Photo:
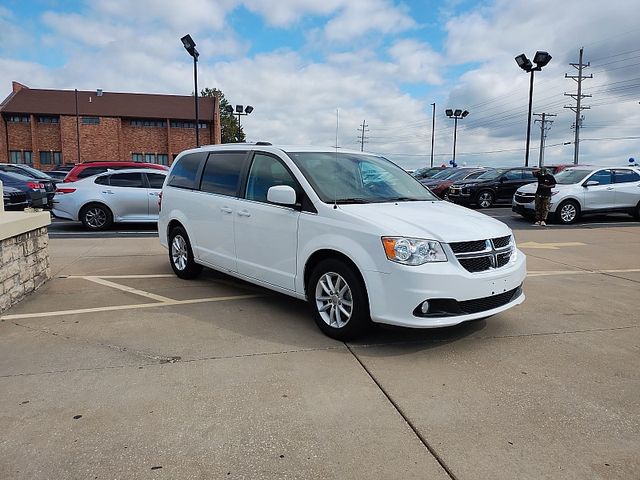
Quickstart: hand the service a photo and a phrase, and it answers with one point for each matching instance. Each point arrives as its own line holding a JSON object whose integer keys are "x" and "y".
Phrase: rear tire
{"x": 96, "y": 217}
{"x": 568, "y": 212}
{"x": 181, "y": 255}
{"x": 485, "y": 199}
{"x": 338, "y": 299}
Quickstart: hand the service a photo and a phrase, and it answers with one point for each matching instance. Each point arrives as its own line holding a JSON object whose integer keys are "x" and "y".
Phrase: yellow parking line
{"x": 127, "y": 307}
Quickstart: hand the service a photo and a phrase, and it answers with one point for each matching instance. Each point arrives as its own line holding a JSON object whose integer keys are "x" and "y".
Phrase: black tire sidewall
{"x": 360, "y": 320}
{"x": 104, "y": 208}
{"x": 192, "y": 270}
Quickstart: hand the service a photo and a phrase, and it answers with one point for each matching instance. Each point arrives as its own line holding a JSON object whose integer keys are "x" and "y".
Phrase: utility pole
{"x": 363, "y": 126}
{"x": 578, "y": 97}
{"x": 545, "y": 126}
{"x": 433, "y": 130}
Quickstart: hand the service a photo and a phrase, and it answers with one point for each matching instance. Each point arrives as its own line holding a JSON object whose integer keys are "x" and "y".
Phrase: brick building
{"x": 40, "y": 127}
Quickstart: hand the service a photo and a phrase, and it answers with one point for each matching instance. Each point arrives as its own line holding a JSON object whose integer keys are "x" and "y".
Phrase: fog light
{"x": 424, "y": 308}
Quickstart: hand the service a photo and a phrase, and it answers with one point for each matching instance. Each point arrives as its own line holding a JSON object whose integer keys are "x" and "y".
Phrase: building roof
{"x": 131, "y": 105}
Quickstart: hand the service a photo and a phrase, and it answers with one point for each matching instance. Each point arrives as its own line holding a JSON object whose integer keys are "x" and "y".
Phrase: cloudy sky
{"x": 380, "y": 61}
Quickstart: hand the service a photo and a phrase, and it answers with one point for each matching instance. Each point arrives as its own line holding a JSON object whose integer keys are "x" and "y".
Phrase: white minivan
{"x": 352, "y": 233}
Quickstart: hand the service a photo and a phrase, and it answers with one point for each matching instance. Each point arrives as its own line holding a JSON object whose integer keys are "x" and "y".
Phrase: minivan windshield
{"x": 357, "y": 178}
{"x": 569, "y": 176}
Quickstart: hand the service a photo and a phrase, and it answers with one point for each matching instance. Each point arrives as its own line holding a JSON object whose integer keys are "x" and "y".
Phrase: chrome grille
{"x": 482, "y": 255}
{"x": 525, "y": 197}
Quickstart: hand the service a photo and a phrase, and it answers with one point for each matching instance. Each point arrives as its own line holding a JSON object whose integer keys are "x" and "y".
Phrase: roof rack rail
{"x": 263, "y": 143}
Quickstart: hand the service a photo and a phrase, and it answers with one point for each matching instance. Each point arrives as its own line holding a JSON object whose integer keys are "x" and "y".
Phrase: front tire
{"x": 338, "y": 299}
{"x": 568, "y": 212}
{"x": 96, "y": 217}
{"x": 485, "y": 199}
{"x": 181, "y": 255}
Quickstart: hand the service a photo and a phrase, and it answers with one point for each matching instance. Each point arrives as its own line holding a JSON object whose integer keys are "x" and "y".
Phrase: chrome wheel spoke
{"x": 333, "y": 300}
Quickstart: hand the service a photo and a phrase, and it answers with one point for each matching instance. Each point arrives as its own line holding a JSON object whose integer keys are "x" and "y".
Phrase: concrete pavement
{"x": 217, "y": 378}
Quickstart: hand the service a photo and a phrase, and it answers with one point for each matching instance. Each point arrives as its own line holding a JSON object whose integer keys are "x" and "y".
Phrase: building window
{"x": 20, "y": 156}
{"x": 136, "y": 157}
{"x": 48, "y": 119}
{"x": 147, "y": 123}
{"x": 18, "y": 118}
{"x": 48, "y": 158}
{"x": 183, "y": 124}
{"x": 90, "y": 120}
{"x": 150, "y": 157}
{"x": 163, "y": 159}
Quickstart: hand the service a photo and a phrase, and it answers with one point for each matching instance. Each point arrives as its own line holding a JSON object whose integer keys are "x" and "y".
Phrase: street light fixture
{"x": 190, "y": 46}
{"x": 458, "y": 114}
{"x": 540, "y": 59}
{"x": 238, "y": 110}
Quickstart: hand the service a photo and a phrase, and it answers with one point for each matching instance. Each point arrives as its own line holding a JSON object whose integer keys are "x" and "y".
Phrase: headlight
{"x": 413, "y": 251}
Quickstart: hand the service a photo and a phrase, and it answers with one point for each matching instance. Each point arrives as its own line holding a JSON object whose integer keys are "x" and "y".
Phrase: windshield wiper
{"x": 404, "y": 199}
{"x": 353, "y": 200}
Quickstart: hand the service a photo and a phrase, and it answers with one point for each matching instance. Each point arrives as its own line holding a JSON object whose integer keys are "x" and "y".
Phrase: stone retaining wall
{"x": 24, "y": 265}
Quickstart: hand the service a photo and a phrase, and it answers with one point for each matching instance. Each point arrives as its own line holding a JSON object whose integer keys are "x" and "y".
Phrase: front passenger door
{"x": 600, "y": 196}
{"x": 508, "y": 186}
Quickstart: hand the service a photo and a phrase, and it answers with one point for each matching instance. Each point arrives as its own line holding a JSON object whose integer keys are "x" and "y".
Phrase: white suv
{"x": 352, "y": 233}
{"x": 585, "y": 190}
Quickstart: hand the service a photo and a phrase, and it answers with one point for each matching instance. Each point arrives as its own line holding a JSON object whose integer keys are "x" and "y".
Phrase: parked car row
{"x": 586, "y": 190}
{"x": 36, "y": 184}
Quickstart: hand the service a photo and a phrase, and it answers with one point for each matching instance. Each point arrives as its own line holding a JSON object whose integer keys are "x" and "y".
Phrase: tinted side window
{"x": 266, "y": 171}
{"x": 513, "y": 175}
{"x": 185, "y": 170}
{"x": 222, "y": 172}
{"x": 602, "y": 176}
{"x": 127, "y": 180}
{"x": 87, "y": 172}
{"x": 104, "y": 180}
{"x": 625, "y": 176}
{"x": 155, "y": 180}
{"x": 528, "y": 175}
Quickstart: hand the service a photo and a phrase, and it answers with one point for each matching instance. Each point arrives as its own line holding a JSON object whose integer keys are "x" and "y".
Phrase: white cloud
{"x": 417, "y": 62}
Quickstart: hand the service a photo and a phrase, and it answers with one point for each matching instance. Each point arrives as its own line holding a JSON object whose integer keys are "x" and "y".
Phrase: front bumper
{"x": 394, "y": 297}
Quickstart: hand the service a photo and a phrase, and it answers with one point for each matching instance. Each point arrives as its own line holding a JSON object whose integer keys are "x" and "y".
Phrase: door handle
{"x": 226, "y": 210}
{"x": 609, "y": 188}
{"x": 244, "y": 213}
{"x": 153, "y": 194}
{"x": 107, "y": 191}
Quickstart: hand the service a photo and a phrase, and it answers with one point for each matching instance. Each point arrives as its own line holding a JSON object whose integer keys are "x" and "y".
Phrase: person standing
{"x": 543, "y": 194}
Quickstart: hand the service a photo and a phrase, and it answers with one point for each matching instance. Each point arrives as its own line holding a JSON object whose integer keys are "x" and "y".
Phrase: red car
{"x": 88, "y": 169}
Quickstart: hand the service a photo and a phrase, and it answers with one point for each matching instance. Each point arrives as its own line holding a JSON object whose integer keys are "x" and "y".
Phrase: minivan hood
{"x": 439, "y": 220}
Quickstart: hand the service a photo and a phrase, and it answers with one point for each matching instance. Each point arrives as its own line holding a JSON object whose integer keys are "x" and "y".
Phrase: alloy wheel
{"x": 568, "y": 213}
{"x": 96, "y": 217}
{"x": 179, "y": 254}
{"x": 485, "y": 199}
{"x": 333, "y": 300}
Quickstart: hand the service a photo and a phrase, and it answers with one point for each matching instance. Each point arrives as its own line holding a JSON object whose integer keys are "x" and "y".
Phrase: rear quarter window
{"x": 185, "y": 171}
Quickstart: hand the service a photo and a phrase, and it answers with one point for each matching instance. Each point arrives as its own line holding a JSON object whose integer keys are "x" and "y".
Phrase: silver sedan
{"x": 130, "y": 195}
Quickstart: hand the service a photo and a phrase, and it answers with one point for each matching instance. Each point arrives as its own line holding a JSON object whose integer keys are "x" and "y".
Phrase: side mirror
{"x": 281, "y": 195}
{"x": 591, "y": 183}
{"x": 502, "y": 179}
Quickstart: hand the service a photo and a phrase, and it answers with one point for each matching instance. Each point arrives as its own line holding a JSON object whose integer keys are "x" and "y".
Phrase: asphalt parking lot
{"x": 117, "y": 369}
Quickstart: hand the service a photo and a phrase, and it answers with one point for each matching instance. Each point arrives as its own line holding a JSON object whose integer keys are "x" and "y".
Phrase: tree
{"x": 228, "y": 121}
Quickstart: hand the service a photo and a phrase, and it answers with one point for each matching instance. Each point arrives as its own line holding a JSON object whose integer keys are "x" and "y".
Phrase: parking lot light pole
{"x": 458, "y": 114}
{"x": 239, "y": 110}
{"x": 190, "y": 46}
{"x": 540, "y": 59}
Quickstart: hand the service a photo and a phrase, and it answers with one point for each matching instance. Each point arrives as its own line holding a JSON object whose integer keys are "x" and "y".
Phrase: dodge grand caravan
{"x": 352, "y": 233}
